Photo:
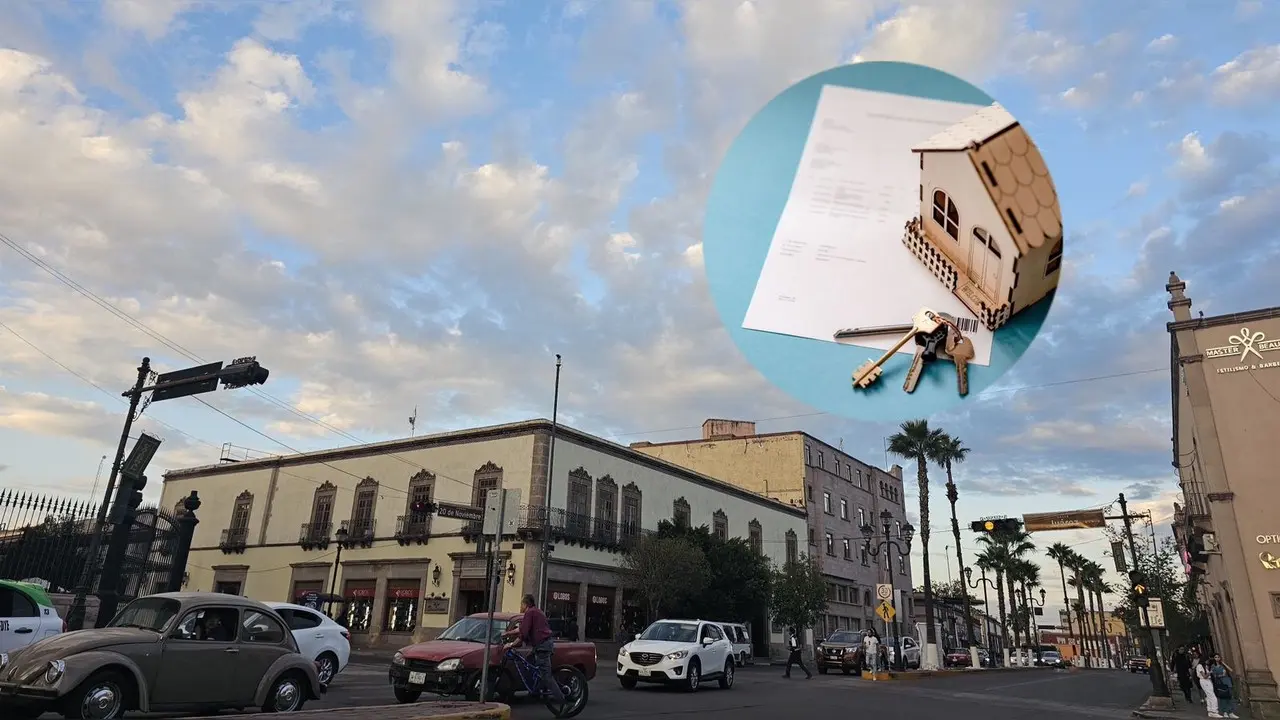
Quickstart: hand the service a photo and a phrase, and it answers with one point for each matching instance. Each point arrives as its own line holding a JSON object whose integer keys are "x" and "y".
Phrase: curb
{"x": 925, "y": 674}
{"x": 416, "y": 711}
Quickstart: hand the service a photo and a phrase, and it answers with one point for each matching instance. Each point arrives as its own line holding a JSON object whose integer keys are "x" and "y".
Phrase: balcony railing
{"x": 315, "y": 536}
{"x": 234, "y": 540}
{"x": 578, "y": 528}
{"x": 413, "y": 529}
{"x": 359, "y": 532}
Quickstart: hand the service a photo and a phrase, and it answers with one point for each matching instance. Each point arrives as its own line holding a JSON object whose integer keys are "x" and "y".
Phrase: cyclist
{"x": 535, "y": 633}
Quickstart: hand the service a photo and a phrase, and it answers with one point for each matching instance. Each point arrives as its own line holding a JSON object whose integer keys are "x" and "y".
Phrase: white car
{"x": 677, "y": 652}
{"x": 27, "y": 614}
{"x": 318, "y": 637}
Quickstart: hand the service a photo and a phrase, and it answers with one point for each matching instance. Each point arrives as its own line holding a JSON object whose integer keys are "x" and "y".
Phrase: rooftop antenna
{"x": 413, "y": 421}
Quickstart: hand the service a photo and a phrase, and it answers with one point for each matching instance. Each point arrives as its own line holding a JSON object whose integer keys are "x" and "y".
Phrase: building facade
{"x": 1226, "y": 420}
{"x": 953, "y": 627}
{"x": 838, "y": 492}
{"x": 269, "y": 528}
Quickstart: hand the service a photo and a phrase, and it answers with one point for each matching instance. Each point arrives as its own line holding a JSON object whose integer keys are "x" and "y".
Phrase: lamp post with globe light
{"x": 984, "y": 582}
{"x": 906, "y": 533}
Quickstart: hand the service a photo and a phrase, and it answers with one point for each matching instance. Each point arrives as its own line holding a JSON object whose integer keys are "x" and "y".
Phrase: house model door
{"x": 984, "y": 263}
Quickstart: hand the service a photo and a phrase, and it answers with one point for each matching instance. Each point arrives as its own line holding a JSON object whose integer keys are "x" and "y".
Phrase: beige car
{"x": 169, "y": 653}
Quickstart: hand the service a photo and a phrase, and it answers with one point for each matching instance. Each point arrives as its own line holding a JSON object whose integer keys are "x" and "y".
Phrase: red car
{"x": 451, "y": 664}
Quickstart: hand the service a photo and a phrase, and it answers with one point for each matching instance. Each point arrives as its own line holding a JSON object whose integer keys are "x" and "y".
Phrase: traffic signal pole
{"x": 1159, "y": 686}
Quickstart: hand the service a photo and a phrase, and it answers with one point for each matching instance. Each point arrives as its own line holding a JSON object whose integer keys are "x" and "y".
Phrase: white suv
{"x": 677, "y": 652}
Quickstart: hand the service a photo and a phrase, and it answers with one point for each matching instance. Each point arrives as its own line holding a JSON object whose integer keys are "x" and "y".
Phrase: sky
{"x": 397, "y": 204}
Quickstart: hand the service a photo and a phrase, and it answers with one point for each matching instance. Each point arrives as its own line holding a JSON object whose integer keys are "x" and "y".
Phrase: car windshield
{"x": 149, "y": 613}
{"x": 473, "y": 630}
{"x": 844, "y": 637}
{"x": 671, "y": 632}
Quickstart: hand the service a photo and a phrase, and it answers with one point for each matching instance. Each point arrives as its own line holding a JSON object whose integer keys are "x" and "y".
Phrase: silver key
{"x": 846, "y": 333}
{"x": 926, "y": 353}
{"x": 924, "y": 322}
{"x": 960, "y": 349}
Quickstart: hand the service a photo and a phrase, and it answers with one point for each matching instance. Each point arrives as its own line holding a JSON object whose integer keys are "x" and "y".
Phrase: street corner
{"x": 438, "y": 710}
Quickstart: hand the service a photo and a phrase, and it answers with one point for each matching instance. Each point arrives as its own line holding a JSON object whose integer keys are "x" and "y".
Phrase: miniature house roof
{"x": 977, "y": 128}
{"x": 1011, "y": 169}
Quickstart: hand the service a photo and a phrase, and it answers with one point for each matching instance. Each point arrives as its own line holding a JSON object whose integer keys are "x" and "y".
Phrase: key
{"x": 926, "y": 353}
{"x": 924, "y": 322}
{"x": 847, "y": 333}
{"x": 960, "y": 349}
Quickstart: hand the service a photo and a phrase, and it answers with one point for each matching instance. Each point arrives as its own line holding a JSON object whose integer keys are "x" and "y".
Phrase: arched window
{"x": 945, "y": 214}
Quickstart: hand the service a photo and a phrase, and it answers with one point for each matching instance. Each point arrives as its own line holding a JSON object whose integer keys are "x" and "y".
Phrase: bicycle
{"x": 572, "y": 681}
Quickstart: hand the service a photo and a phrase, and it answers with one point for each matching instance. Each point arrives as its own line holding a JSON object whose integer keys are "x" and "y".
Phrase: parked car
{"x": 1139, "y": 665}
{"x": 841, "y": 650}
{"x": 910, "y": 652}
{"x": 318, "y": 637}
{"x": 452, "y": 663}
{"x": 678, "y": 652}
{"x": 27, "y": 614}
{"x": 169, "y": 653}
{"x": 740, "y": 635}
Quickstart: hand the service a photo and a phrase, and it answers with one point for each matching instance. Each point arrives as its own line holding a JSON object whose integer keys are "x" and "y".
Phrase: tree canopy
{"x": 799, "y": 594}
{"x": 1162, "y": 572}
{"x": 667, "y": 572}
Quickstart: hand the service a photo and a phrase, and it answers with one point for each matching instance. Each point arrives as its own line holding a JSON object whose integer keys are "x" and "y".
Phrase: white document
{"x": 837, "y": 259}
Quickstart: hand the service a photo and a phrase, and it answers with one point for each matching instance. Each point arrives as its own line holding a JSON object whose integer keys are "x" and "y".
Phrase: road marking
{"x": 1028, "y": 682}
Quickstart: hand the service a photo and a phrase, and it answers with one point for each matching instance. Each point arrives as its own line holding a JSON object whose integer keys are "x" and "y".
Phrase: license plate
{"x": 417, "y": 678}
{"x": 644, "y": 673}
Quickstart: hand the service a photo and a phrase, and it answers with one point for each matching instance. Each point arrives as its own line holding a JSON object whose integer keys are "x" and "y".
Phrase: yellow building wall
{"x": 772, "y": 465}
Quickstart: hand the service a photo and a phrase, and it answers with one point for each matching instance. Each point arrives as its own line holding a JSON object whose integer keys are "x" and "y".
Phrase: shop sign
{"x": 599, "y": 600}
{"x": 1248, "y": 345}
{"x": 360, "y": 592}
{"x": 564, "y": 596}
{"x": 403, "y": 593}
{"x": 435, "y": 606}
{"x": 1268, "y": 539}
{"x": 1269, "y": 561}
{"x": 311, "y": 599}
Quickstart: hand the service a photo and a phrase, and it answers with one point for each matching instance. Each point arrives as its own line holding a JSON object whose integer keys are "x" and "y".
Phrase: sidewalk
{"x": 439, "y": 710}
{"x": 1183, "y": 711}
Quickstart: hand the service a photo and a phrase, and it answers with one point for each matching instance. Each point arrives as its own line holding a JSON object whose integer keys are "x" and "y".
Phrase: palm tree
{"x": 992, "y": 559}
{"x": 1061, "y": 552}
{"x": 1017, "y": 545}
{"x": 917, "y": 441}
{"x": 1077, "y": 563}
{"x": 1028, "y": 574}
{"x": 951, "y": 451}
{"x": 1094, "y": 583}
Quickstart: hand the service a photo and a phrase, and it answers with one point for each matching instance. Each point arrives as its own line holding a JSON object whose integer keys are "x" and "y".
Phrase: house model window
{"x": 989, "y": 226}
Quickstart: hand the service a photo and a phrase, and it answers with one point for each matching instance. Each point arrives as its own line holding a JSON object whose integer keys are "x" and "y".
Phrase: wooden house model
{"x": 990, "y": 227}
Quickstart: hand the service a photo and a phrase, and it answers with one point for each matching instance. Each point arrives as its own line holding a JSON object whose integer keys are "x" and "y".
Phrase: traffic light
{"x": 419, "y": 509}
{"x": 243, "y": 372}
{"x": 998, "y": 525}
{"x": 1141, "y": 593}
{"x": 128, "y": 499}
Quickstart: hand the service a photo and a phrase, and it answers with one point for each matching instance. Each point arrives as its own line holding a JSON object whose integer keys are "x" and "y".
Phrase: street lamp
{"x": 905, "y": 533}
{"x": 341, "y": 537}
{"x": 1030, "y": 604}
{"x": 511, "y": 573}
{"x": 435, "y": 575}
{"x": 984, "y": 582}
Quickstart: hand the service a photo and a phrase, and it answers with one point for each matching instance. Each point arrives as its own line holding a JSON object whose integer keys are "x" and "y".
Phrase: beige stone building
{"x": 838, "y": 492}
{"x": 268, "y": 528}
{"x": 1226, "y": 450}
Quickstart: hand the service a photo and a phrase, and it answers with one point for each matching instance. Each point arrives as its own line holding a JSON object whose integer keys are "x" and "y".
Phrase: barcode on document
{"x": 967, "y": 325}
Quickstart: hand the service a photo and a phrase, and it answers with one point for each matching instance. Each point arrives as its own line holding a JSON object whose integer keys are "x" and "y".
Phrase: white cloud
{"x": 1252, "y": 77}
{"x": 152, "y": 18}
{"x": 1163, "y": 43}
{"x": 1191, "y": 156}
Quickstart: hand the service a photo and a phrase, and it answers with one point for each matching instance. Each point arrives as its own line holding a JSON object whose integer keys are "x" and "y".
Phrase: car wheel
{"x": 822, "y": 669}
{"x": 327, "y": 667}
{"x": 693, "y": 676}
{"x": 287, "y": 694}
{"x": 726, "y": 680}
{"x": 104, "y": 696}
{"x": 406, "y": 696}
{"x": 628, "y": 683}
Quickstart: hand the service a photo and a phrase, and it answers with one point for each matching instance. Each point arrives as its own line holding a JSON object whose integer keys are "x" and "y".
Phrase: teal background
{"x": 746, "y": 201}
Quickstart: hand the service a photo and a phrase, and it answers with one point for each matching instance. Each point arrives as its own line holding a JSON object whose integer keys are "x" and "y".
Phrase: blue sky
{"x": 422, "y": 208}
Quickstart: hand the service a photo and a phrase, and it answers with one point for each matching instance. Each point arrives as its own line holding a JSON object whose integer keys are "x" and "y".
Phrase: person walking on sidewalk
{"x": 1181, "y": 666}
{"x": 1205, "y": 678}
{"x": 793, "y": 656}
{"x": 1223, "y": 687}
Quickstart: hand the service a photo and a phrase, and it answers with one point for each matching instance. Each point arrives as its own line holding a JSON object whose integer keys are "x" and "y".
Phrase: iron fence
{"x": 579, "y": 528}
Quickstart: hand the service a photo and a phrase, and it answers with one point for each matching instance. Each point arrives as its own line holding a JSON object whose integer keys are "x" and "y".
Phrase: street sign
{"x": 510, "y": 513}
{"x": 168, "y": 393}
{"x": 469, "y": 513}
{"x": 1070, "y": 520}
{"x": 140, "y": 456}
{"x": 885, "y": 612}
{"x": 883, "y": 591}
{"x": 1155, "y": 614}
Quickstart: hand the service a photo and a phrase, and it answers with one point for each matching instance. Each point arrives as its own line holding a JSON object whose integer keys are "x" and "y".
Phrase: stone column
{"x": 582, "y": 610}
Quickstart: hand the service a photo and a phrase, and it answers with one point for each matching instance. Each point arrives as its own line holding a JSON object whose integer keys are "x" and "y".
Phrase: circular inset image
{"x": 883, "y": 240}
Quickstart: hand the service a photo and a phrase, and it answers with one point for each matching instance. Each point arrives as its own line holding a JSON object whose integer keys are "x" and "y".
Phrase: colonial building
{"x": 1226, "y": 420}
{"x": 270, "y": 528}
{"x": 839, "y": 493}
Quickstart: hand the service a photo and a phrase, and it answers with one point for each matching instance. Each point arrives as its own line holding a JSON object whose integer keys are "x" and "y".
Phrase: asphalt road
{"x": 762, "y": 692}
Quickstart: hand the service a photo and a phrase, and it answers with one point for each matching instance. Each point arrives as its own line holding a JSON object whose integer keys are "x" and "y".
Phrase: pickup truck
{"x": 451, "y": 664}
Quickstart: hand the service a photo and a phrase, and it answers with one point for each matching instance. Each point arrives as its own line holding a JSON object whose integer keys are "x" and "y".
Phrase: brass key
{"x": 960, "y": 349}
{"x": 925, "y": 354}
{"x": 924, "y": 322}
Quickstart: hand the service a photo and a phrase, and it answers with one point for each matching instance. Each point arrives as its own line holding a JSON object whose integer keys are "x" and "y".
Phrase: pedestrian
{"x": 535, "y": 632}
{"x": 793, "y": 656}
{"x": 1181, "y": 666}
{"x": 1223, "y": 687}
{"x": 871, "y": 650}
{"x": 1205, "y": 679}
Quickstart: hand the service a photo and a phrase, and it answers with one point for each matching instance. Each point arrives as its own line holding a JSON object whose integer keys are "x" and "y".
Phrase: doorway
{"x": 471, "y": 597}
{"x": 227, "y": 587}
{"x": 760, "y": 637}
{"x": 984, "y": 262}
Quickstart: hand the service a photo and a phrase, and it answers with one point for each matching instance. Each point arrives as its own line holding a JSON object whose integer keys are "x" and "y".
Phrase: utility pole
{"x": 75, "y": 616}
{"x": 1159, "y": 688}
{"x": 545, "y": 552}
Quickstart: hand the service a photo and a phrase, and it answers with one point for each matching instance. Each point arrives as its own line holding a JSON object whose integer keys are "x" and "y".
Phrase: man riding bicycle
{"x": 535, "y": 632}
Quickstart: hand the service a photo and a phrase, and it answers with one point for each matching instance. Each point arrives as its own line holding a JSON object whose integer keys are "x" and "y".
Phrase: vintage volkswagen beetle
{"x": 171, "y": 653}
